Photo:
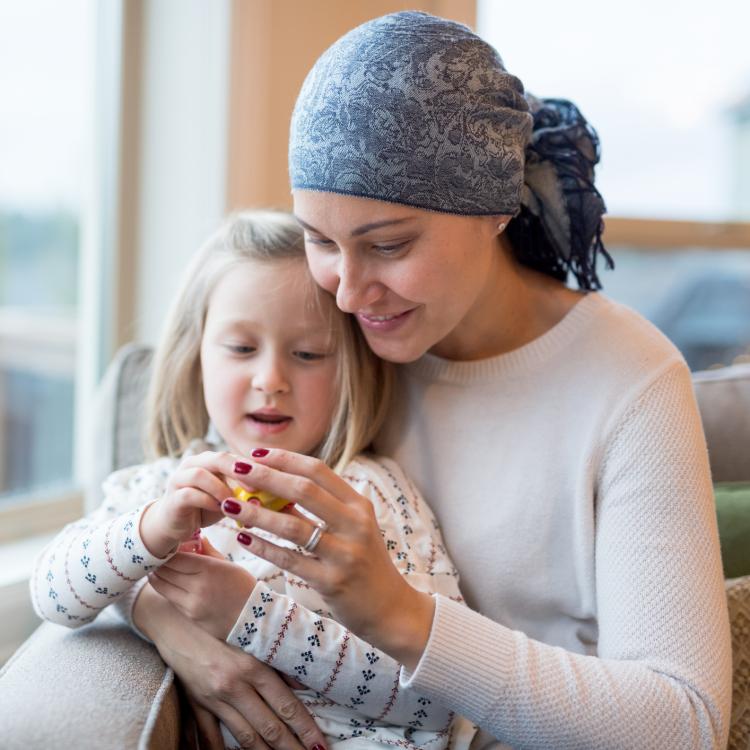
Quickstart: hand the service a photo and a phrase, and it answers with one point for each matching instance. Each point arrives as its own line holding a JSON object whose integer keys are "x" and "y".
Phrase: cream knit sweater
{"x": 571, "y": 483}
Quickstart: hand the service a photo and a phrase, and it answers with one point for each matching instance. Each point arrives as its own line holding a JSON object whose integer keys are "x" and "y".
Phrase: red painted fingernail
{"x": 254, "y": 500}
{"x": 244, "y": 538}
{"x": 230, "y": 506}
{"x": 259, "y": 453}
{"x": 288, "y": 506}
{"x": 318, "y": 747}
{"x": 240, "y": 467}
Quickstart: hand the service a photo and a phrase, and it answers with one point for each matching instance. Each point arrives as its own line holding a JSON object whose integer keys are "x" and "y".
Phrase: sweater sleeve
{"x": 662, "y": 674}
{"x": 95, "y": 561}
{"x": 296, "y": 635}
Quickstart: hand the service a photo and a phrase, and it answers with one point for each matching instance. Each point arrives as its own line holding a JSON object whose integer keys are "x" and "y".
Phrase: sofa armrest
{"x": 98, "y": 686}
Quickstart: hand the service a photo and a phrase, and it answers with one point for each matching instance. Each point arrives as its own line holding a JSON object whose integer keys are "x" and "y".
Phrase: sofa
{"x": 124, "y": 696}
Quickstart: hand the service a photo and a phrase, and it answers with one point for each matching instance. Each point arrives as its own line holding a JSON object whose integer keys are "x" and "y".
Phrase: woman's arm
{"x": 662, "y": 676}
{"x": 252, "y": 700}
{"x": 296, "y": 633}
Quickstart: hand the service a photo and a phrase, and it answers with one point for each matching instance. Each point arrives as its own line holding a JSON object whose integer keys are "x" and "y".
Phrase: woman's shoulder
{"x": 622, "y": 344}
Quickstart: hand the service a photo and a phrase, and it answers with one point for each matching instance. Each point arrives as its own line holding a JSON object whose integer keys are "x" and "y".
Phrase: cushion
{"x": 724, "y": 400}
{"x": 99, "y": 686}
{"x": 733, "y": 515}
{"x": 738, "y": 599}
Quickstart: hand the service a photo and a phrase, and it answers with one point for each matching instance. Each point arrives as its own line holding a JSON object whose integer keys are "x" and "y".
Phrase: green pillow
{"x": 733, "y": 513}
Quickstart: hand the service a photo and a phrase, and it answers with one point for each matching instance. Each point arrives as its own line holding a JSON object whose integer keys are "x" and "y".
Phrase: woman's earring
{"x": 501, "y": 226}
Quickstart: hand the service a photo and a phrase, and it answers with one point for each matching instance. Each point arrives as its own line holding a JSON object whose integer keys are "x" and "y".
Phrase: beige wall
{"x": 274, "y": 44}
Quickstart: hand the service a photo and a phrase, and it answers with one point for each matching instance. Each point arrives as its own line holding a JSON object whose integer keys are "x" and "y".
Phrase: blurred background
{"x": 129, "y": 127}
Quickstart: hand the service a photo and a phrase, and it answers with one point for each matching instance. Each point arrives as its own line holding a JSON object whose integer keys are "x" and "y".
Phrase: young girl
{"x": 256, "y": 355}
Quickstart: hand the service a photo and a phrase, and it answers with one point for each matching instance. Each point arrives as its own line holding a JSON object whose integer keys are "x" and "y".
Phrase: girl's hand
{"x": 192, "y": 500}
{"x": 350, "y": 566}
{"x": 205, "y": 587}
{"x": 248, "y": 696}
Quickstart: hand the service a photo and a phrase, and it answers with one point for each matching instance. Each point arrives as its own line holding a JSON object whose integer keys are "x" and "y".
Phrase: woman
{"x": 553, "y": 432}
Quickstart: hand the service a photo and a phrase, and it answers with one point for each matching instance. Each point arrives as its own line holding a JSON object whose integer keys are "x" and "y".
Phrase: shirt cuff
{"x": 468, "y": 659}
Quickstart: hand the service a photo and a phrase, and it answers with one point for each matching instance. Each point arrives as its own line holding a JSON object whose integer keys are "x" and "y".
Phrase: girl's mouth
{"x": 268, "y": 423}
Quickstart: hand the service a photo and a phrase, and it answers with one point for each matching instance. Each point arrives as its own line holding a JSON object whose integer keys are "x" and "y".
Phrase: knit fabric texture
{"x": 571, "y": 482}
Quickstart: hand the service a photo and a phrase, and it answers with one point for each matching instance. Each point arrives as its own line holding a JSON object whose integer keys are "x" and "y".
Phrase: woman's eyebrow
{"x": 364, "y": 229}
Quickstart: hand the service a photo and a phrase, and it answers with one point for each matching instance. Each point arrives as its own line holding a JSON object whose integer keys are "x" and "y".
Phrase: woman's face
{"x": 416, "y": 280}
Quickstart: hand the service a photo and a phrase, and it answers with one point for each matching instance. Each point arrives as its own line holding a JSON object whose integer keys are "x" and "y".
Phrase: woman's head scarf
{"x": 415, "y": 109}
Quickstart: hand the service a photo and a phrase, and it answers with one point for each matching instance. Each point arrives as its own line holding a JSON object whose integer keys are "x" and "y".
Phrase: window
{"x": 47, "y": 52}
{"x": 668, "y": 90}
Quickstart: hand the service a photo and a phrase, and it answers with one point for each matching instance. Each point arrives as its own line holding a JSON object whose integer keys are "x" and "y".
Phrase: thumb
{"x": 208, "y": 549}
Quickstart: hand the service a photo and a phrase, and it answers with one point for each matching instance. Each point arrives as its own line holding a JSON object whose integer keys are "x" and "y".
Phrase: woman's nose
{"x": 355, "y": 291}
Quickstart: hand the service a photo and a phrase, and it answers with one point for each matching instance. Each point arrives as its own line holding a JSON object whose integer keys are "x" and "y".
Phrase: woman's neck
{"x": 516, "y": 306}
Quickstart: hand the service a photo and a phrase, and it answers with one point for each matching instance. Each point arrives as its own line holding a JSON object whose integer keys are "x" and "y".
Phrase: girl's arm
{"x": 94, "y": 561}
{"x": 295, "y": 632}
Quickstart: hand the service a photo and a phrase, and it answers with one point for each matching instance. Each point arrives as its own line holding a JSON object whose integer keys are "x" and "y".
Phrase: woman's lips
{"x": 383, "y": 323}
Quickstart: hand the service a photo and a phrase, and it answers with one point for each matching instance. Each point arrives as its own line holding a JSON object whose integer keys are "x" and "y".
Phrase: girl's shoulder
{"x": 379, "y": 478}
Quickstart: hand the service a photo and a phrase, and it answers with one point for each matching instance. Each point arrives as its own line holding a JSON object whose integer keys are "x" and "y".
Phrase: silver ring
{"x": 317, "y": 533}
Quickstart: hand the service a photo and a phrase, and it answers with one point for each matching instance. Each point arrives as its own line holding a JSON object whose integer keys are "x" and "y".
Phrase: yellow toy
{"x": 267, "y": 500}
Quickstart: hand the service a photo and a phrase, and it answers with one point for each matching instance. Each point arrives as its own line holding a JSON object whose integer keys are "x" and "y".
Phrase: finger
{"x": 173, "y": 577}
{"x": 306, "y": 493}
{"x": 285, "y": 704}
{"x": 185, "y": 562}
{"x": 207, "y": 728}
{"x": 201, "y": 478}
{"x": 209, "y": 550}
{"x": 266, "y": 731}
{"x": 295, "y": 528}
{"x": 301, "y": 465}
{"x": 306, "y": 567}
{"x": 169, "y": 591}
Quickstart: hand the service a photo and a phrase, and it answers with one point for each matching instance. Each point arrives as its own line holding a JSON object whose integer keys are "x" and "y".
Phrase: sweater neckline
{"x": 524, "y": 359}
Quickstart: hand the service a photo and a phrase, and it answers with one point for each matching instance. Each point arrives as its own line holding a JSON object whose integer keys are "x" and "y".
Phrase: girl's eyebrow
{"x": 364, "y": 229}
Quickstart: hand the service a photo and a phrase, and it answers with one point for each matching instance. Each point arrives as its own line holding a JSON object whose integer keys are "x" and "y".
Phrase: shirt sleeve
{"x": 95, "y": 561}
{"x": 294, "y": 632}
{"x": 662, "y": 675}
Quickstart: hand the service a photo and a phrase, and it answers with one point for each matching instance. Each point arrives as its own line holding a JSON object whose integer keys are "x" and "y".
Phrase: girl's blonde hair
{"x": 176, "y": 411}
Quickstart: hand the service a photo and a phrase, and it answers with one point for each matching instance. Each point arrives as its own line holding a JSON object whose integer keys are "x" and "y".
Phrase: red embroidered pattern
{"x": 339, "y": 663}
{"x": 281, "y": 634}
{"x": 108, "y": 555}
{"x": 70, "y": 583}
{"x": 300, "y": 584}
{"x": 394, "y": 693}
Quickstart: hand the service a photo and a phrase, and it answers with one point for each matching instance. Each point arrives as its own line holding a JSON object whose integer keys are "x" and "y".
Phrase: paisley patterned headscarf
{"x": 415, "y": 109}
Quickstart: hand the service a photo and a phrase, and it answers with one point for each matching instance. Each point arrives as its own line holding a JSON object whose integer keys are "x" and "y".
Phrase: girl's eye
{"x": 309, "y": 356}
{"x": 240, "y": 349}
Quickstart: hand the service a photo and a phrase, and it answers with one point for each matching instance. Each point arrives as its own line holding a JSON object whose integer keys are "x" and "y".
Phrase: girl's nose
{"x": 270, "y": 377}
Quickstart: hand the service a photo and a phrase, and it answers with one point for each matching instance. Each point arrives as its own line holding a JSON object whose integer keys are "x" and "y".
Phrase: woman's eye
{"x": 390, "y": 249}
{"x": 318, "y": 241}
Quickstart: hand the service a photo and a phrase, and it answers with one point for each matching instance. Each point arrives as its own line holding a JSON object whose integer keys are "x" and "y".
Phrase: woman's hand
{"x": 248, "y": 696}
{"x": 205, "y": 587}
{"x": 350, "y": 567}
{"x": 191, "y": 501}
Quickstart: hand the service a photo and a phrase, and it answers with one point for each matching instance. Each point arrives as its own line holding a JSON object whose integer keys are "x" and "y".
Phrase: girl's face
{"x": 416, "y": 280}
{"x": 268, "y": 358}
